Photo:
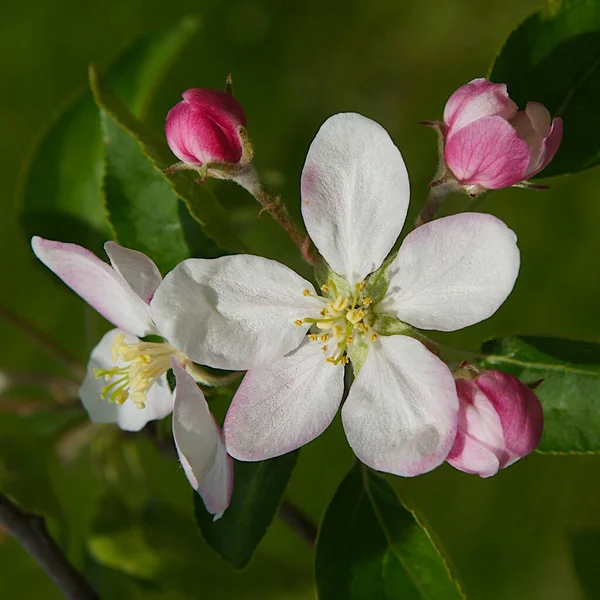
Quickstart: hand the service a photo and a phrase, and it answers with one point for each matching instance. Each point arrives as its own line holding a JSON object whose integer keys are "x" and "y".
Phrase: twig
{"x": 248, "y": 179}
{"x": 31, "y": 533}
{"x": 44, "y": 340}
{"x": 298, "y": 522}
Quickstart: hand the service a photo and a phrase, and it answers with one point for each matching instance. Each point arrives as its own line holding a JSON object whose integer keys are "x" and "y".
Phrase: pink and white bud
{"x": 500, "y": 420}
{"x": 206, "y": 127}
{"x": 489, "y": 143}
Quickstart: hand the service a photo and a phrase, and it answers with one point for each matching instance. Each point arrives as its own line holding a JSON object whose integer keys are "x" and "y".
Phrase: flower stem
{"x": 31, "y": 533}
{"x": 249, "y": 180}
{"x": 437, "y": 195}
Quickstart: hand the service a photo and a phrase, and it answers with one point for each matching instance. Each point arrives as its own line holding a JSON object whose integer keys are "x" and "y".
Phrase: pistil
{"x": 340, "y": 321}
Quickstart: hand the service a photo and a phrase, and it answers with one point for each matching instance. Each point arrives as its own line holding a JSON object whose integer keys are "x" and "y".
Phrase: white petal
{"x": 355, "y": 194}
{"x": 452, "y": 272}
{"x": 199, "y": 444}
{"x": 283, "y": 406}
{"x": 401, "y": 413}
{"x": 99, "y": 285}
{"x": 217, "y": 487}
{"x": 135, "y": 268}
{"x": 127, "y": 415}
{"x": 233, "y": 312}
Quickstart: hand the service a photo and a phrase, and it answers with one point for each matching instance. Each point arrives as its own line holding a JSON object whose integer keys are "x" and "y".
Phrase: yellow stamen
{"x": 298, "y": 322}
{"x": 144, "y": 363}
{"x": 373, "y": 337}
{"x": 306, "y": 292}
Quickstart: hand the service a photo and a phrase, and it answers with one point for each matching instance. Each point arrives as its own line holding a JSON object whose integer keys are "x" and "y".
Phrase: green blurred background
{"x": 124, "y": 512}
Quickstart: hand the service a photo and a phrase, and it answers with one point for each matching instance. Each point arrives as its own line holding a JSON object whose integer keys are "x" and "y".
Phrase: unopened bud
{"x": 206, "y": 128}
{"x": 489, "y": 144}
{"x": 500, "y": 421}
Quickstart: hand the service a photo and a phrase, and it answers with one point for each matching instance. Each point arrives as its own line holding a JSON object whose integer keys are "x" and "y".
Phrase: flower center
{"x": 341, "y": 321}
{"x": 144, "y": 363}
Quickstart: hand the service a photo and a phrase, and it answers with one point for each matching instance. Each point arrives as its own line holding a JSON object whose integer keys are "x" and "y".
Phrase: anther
{"x": 298, "y": 322}
{"x": 324, "y": 337}
{"x": 367, "y": 301}
{"x": 323, "y": 312}
{"x": 306, "y": 292}
{"x": 373, "y": 337}
{"x": 312, "y": 337}
{"x": 349, "y": 339}
{"x": 325, "y": 288}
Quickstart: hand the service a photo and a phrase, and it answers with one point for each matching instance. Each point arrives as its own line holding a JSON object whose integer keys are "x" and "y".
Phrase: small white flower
{"x": 126, "y": 379}
{"x": 247, "y": 312}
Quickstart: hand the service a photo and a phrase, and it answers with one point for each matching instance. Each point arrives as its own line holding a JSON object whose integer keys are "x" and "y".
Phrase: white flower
{"x": 126, "y": 379}
{"x": 246, "y": 312}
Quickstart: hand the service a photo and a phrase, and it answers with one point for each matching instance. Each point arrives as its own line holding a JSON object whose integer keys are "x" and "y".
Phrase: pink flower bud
{"x": 500, "y": 420}
{"x": 205, "y": 128}
{"x": 489, "y": 143}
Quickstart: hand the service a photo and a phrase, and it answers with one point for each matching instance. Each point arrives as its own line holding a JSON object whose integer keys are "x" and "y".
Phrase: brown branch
{"x": 298, "y": 522}
{"x": 30, "y": 532}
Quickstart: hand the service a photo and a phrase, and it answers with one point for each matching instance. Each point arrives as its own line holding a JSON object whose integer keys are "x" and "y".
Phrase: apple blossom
{"x": 500, "y": 420}
{"x": 249, "y": 312}
{"x": 207, "y": 128}
{"x": 489, "y": 144}
{"x": 126, "y": 379}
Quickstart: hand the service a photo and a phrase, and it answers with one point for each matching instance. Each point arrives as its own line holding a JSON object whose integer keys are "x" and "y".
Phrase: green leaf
{"x": 371, "y": 547}
{"x": 570, "y": 391}
{"x": 143, "y": 202}
{"x": 61, "y": 192}
{"x": 553, "y": 57}
{"x": 257, "y": 493}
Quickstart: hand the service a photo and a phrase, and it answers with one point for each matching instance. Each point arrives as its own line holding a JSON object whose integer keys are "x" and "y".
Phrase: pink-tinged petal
{"x": 470, "y": 456}
{"x": 355, "y": 194}
{"x": 283, "y": 406}
{"x": 519, "y": 411}
{"x": 97, "y": 283}
{"x": 234, "y": 312}
{"x": 452, "y": 272}
{"x": 549, "y": 148}
{"x": 540, "y": 118}
{"x": 479, "y": 444}
{"x": 477, "y": 99}
{"x": 135, "y": 268}
{"x": 127, "y": 415}
{"x": 199, "y": 444}
{"x": 204, "y": 127}
{"x": 178, "y": 131}
{"x": 487, "y": 153}
{"x": 401, "y": 413}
